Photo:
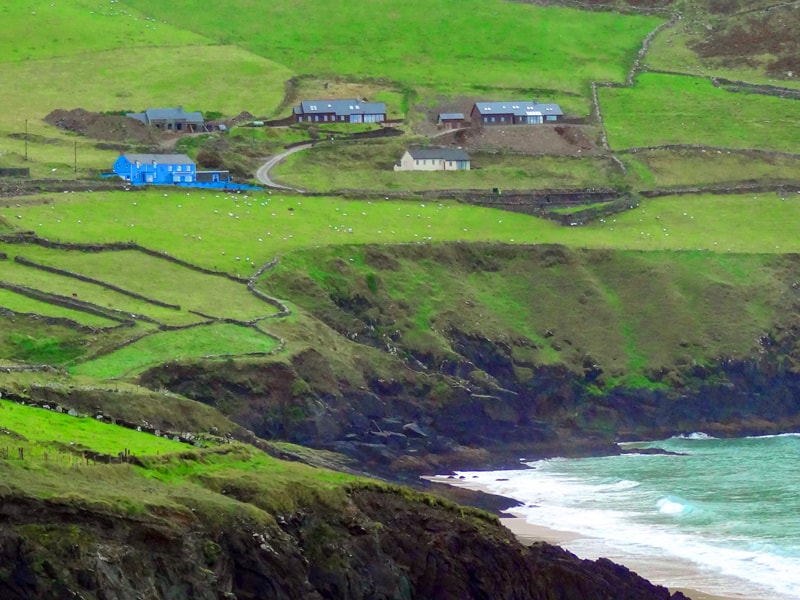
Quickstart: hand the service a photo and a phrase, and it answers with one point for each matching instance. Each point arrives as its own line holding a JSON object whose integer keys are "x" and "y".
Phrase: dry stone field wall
{"x": 126, "y": 319}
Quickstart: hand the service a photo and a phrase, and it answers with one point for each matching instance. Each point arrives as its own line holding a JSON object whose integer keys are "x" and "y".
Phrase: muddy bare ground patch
{"x": 104, "y": 127}
{"x": 559, "y": 140}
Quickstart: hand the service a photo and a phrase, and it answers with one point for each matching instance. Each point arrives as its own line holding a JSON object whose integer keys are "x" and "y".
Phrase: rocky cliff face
{"x": 432, "y": 357}
{"x": 421, "y": 423}
{"x": 381, "y": 545}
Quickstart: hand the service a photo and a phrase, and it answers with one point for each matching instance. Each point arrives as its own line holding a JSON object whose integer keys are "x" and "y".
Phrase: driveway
{"x": 263, "y": 172}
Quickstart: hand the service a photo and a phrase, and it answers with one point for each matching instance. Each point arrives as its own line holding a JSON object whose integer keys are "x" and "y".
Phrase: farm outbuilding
{"x": 171, "y": 119}
{"x": 434, "y": 159}
{"x": 213, "y": 176}
{"x": 521, "y": 112}
{"x": 451, "y": 120}
{"x": 339, "y": 111}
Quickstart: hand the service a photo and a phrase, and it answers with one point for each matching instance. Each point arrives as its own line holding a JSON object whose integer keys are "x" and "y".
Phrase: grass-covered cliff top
{"x": 375, "y": 285}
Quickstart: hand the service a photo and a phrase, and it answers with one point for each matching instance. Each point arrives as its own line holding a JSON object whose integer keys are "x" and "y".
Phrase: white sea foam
{"x": 773, "y": 436}
{"x": 667, "y": 506}
{"x": 697, "y": 435}
{"x": 622, "y": 520}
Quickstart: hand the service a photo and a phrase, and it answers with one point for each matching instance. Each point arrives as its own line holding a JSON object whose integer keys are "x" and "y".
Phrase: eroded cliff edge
{"x": 420, "y": 358}
{"x": 377, "y": 544}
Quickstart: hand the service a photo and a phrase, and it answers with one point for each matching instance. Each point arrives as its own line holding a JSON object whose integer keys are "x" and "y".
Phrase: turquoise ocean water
{"x": 724, "y": 518}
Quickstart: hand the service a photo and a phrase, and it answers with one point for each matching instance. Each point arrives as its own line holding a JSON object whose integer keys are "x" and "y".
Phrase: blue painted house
{"x": 156, "y": 169}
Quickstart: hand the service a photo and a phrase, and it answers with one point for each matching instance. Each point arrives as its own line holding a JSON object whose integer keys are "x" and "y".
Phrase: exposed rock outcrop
{"x": 380, "y": 545}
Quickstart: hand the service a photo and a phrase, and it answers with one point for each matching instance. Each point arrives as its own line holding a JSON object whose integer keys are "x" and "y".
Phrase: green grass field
{"x": 78, "y": 54}
{"x": 226, "y": 79}
{"x": 670, "y": 51}
{"x": 22, "y": 304}
{"x": 51, "y": 283}
{"x": 267, "y": 228}
{"x": 660, "y": 168}
{"x": 500, "y": 44}
{"x": 49, "y": 428}
{"x": 38, "y": 29}
{"x": 632, "y": 312}
{"x": 671, "y": 109}
{"x": 154, "y": 278}
{"x": 197, "y": 342}
{"x": 370, "y": 166}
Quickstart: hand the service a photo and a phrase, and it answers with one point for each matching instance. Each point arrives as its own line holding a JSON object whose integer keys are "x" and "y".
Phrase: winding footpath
{"x": 263, "y": 172}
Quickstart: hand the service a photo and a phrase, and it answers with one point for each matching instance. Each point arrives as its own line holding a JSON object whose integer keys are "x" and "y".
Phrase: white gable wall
{"x": 408, "y": 163}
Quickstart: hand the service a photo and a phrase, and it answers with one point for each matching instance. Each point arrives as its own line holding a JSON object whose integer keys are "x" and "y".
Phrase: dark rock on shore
{"x": 382, "y": 544}
{"x": 659, "y": 451}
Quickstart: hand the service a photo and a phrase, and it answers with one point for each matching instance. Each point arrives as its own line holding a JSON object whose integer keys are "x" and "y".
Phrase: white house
{"x": 434, "y": 159}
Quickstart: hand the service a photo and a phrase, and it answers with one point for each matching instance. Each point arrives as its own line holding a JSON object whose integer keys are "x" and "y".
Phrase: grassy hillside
{"x": 670, "y": 281}
{"x": 631, "y": 314}
{"x": 743, "y": 40}
{"x": 79, "y": 54}
{"x": 370, "y": 166}
{"x": 670, "y": 168}
{"x": 38, "y": 29}
{"x": 525, "y": 47}
{"x": 214, "y": 230}
{"x": 669, "y": 109}
{"x": 257, "y": 228}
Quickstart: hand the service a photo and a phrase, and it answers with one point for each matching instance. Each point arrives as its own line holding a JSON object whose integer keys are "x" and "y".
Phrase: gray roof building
{"x": 434, "y": 159}
{"x": 515, "y": 112}
{"x": 170, "y": 118}
{"x": 438, "y": 153}
{"x": 519, "y": 108}
{"x": 164, "y": 159}
{"x": 451, "y": 116}
{"x": 349, "y": 111}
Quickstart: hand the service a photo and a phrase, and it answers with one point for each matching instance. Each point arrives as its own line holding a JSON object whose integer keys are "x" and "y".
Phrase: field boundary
{"x": 732, "y": 85}
{"x": 109, "y": 286}
{"x": 29, "y": 237}
{"x": 75, "y": 304}
{"x": 64, "y": 321}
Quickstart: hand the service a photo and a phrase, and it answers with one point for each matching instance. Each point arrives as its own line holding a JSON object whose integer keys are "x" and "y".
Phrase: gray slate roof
{"x": 168, "y": 114}
{"x": 520, "y": 108}
{"x": 340, "y": 107}
{"x": 164, "y": 159}
{"x": 438, "y": 153}
{"x": 450, "y": 116}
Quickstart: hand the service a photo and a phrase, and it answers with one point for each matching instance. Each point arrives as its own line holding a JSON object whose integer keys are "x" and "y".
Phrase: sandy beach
{"x": 528, "y": 533}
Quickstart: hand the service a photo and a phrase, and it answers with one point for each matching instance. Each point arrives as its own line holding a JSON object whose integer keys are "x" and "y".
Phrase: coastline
{"x": 528, "y": 533}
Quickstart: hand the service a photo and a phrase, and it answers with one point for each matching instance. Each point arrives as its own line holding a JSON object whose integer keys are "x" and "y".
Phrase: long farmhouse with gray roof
{"x": 171, "y": 119}
{"x": 340, "y": 111}
{"x": 518, "y": 112}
